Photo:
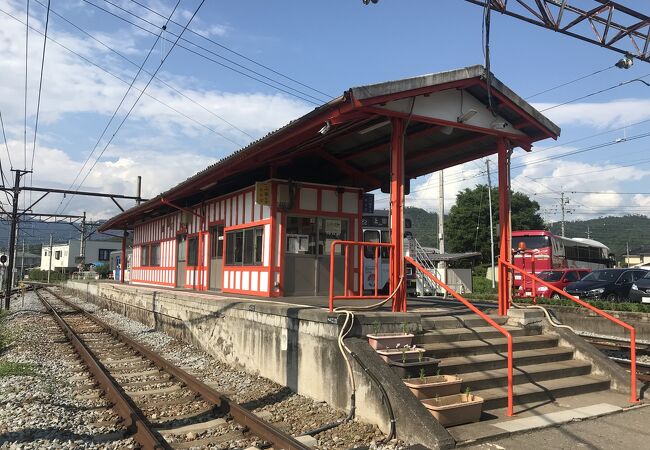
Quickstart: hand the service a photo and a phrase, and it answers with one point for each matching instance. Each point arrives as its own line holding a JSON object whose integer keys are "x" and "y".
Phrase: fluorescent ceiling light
{"x": 374, "y": 127}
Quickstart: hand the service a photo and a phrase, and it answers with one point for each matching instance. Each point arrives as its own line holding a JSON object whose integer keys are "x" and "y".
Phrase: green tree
{"x": 467, "y": 228}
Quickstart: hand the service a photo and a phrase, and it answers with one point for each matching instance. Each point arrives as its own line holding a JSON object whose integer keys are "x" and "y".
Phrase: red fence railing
{"x": 483, "y": 316}
{"x": 350, "y": 291}
{"x": 504, "y": 266}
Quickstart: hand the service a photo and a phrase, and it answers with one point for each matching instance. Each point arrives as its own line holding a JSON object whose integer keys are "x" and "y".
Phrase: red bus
{"x": 556, "y": 252}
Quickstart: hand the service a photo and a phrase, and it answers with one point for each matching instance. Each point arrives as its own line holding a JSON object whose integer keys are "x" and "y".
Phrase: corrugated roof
{"x": 347, "y": 155}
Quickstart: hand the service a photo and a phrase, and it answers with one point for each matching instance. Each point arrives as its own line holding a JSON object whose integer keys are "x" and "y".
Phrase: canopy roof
{"x": 452, "y": 117}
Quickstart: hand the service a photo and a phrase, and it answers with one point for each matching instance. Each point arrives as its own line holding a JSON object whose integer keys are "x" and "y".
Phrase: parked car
{"x": 640, "y": 291}
{"x": 607, "y": 284}
{"x": 558, "y": 278}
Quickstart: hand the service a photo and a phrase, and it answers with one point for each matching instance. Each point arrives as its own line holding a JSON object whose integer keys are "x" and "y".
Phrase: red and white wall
{"x": 239, "y": 211}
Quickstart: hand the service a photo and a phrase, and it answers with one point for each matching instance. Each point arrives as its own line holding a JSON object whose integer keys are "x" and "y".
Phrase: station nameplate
{"x": 263, "y": 193}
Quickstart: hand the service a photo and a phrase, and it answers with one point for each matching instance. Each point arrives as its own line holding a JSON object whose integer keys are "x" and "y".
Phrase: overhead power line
{"x": 282, "y": 87}
{"x": 139, "y": 96}
{"x": 570, "y": 82}
{"x": 130, "y": 61}
{"x": 622, "y": 83}
{"x": 126, "y": 94}
{"x": 239, "y": 54}
{"x": 40, "y": 82}
{"x": 117, "y": 77}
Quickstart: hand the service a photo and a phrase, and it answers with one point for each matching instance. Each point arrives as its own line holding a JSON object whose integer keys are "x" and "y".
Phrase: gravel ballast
{"x": 276, "y": 404}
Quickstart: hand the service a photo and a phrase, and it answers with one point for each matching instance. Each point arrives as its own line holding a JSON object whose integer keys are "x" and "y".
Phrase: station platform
{"x": 292, "y": 340}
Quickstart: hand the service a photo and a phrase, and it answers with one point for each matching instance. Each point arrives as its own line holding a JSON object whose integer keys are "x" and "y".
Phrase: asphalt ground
{"x": 625, "y": 430}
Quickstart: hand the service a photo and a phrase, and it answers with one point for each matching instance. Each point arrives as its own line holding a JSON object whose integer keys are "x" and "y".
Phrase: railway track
{"x": 615, "y": 348}
{"x": 163, "y": 406}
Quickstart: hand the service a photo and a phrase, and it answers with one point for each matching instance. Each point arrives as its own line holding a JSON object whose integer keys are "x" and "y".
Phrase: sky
{"x": 267, "y": 63}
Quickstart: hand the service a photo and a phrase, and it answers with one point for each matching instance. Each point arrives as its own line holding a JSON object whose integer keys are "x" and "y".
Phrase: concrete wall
{"x": 294, "y": 346}
{"x": 582, "y": 319}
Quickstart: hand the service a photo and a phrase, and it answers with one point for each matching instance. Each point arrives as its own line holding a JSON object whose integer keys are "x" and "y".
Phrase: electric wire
{"x": 130, "y": 61}
{"x": 287, "y": 89}
{"x": 239, "y": 54}
{"x": 570, "y": 82}
{"x": 117, "y": 77}
{"x": 126, "y": 94}
{"x": 26, "y": 73}
{"x": 137, "y": 99}
{"x": 622, "y": 83}
{"x": 40, "y": 82}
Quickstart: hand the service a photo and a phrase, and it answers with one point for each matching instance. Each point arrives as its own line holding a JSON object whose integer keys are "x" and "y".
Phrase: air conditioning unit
{"x": 186, "y": 218}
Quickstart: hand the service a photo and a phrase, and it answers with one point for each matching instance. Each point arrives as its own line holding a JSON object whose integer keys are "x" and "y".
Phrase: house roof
{"x": 451, "y": 117}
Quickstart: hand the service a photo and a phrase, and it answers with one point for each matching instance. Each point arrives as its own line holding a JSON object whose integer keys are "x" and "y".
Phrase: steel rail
{"x": 142, "y": 430}
{"x": 241, "y": 415}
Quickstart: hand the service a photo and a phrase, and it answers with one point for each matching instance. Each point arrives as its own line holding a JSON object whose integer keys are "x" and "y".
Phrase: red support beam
{"x": 504, "y": 224}
{"x": 397, "y": 272}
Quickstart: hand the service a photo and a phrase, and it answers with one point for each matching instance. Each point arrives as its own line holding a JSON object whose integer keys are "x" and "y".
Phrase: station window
{"x": 216, "y": 242}
{"x": 57, "y": 254}
{"x": 104, "y": 254}
{"x": 370, "y": 236}
{"x": 155, "y": 255}
{"x": 245, "y": 247}
{"x": 144, "y": 257}
{"x": 182, "y": 242}
{"x": 193, "y": 251}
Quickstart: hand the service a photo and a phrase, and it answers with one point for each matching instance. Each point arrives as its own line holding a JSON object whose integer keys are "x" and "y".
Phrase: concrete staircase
{"x": 543, "y": 371}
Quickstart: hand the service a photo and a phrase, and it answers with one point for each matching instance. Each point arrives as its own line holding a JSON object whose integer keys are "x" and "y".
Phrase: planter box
{"x": 455, "y": 409}
{"x": 396, "y": 354}
{"x": 411, "y": 368}
{"x": 437, "y": 385}
{"x": 389, "y": 340}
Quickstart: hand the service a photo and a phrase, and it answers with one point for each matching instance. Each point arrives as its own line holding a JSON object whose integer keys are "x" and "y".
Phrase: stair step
{"x": 525, "y": 374}
{"x": 476, "y": 347}
{"x": 464, "y": 334}
{"x": 490, "y": 361}
{"x": 542, "y": 391}
{"x": 459, "y": 321}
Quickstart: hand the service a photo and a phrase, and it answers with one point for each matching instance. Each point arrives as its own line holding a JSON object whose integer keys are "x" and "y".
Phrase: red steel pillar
{"x": 397, "y": 271}
{"x": 123, "y": 259}
{"x": 504, "y": 225}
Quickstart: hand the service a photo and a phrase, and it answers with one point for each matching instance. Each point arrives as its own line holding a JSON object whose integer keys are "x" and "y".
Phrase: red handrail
{"x": 483, "y": 316}
{"x": 633, "y": 398}
{"x": 346, "y": 288}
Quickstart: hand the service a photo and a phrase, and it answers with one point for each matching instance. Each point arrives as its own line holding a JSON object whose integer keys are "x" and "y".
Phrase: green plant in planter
{"x": 376, "y": 326}
{"x": 422, "y": 374}
{"x": 404, "y": 353}
{"x": 468, "y": 392}
{"x": 404, "y": 328}
{"x": 420, "y": 356}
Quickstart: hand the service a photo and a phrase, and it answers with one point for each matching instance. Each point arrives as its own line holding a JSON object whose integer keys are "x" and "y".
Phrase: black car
{"x": 608, "y": 284}
{"x": 640, "y": 292}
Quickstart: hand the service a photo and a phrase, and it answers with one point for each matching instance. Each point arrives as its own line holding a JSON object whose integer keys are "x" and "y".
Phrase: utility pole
{"x": 12, "y": 235}
{"x": 487, "y": 163}
{"x": 627, "y": 253}
{"x": 588, "y": 233}
{"x": 82, "y": 243}
{"x": 563, "y": 203}
{"x": 49, "y": 269}
{"x": 22, "y": 262}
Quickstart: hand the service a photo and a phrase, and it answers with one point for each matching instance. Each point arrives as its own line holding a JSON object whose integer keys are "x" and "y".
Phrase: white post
{"x": 49, "y": 270}
{"x": 442, "y": 266}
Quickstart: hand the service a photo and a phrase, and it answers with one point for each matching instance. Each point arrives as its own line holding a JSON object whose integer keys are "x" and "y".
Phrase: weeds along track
{"x": 160, "y": 404}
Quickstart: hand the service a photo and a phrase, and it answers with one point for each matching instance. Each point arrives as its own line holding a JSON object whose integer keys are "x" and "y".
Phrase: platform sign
{"x": 368, "y": 203}
{"x": 263, "y": 193}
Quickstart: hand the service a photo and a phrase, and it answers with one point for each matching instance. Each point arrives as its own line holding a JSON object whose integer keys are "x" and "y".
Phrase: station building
{"x": 261, "y": 221}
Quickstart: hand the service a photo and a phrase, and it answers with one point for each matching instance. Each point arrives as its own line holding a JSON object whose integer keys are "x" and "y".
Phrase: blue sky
{"x": 329, "y": 46}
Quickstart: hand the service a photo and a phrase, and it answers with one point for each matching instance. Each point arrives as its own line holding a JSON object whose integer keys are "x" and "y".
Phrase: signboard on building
{"x": 368, "y": 203}
{"x": 263, "y": 193}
